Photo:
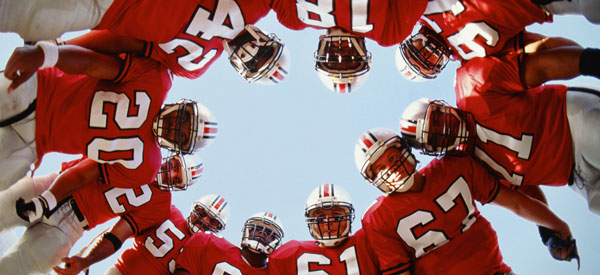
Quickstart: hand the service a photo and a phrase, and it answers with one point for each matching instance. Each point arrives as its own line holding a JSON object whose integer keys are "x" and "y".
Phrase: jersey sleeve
{"x": 156, "y": 211}
{"x": 484, "y": 184}
{"x": 192, "y": 255}
{"x": 497, "y": 74}
{"x": 383, "y": 240}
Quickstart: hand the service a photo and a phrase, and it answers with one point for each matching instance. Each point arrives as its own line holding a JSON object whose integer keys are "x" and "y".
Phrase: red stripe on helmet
{"x": 278, "y": 75}
{"x": 197, "y": 171}
{"x": 342, "y": 88}
{"x": 367, "y": 142}
{"x": 219, "y": 203}
{"x": 326, "y": 190}
{"x": 410, "y": 129}
{"x": 210, "y": 130}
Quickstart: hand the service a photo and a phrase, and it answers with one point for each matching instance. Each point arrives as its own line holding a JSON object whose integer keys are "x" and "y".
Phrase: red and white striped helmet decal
{"x": 342, "y": 88}
{"x": 218, "y": 204}
{"x": 279, "y": 75}
{"x": 210, "y": 130}
{"x": 326, "y": 191}
{"x": 197, "y": 171}
{"x": 366, "y": 141}
{"x": 270, "y": 215}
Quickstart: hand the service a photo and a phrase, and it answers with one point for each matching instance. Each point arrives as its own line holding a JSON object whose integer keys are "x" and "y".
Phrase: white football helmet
{"x": 185, "y": 127}
{"x": 329, "y": 230}
{"x": 177, "y": 173}
{"x": 258, "y": 57}
{"x": 422, "y": 56}
{"x": 438, "y": 129}
{"x": 262, "y": 233}
{"x": 209, "y": 213}
{"x": 399, "y": 174}
{"x": 342, "y": 61}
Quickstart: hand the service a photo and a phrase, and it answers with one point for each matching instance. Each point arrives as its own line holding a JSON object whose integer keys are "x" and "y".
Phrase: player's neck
{"x": 254, "y": 259}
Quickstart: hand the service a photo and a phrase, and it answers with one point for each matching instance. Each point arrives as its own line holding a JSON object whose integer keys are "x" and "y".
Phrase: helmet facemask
{"x": 398, "y": 175}
{"x": 177, "y": 126}
{"x": 446, "y": 130}
{"x": 202, "y": 219}
{"x": 254, "y": 55}
{"x": 329, "y": 230}
{"x": 342, "y": 59}
{"x": 172, "y": 174}
{"x": 425, "y": 55}
{"x": 261, "y": 235}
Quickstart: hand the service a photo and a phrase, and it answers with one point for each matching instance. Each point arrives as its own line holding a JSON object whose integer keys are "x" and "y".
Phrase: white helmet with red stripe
{"x": 371, "y": 146}
{"x": 262, "y": 233}
{"x": 177, "y": 173}
{"x": 185, "y": 127}
{"x": 437, "y": 128}
{"x": 209, "y": 213}
{"x": 329, "y": 230}
{"x": 342, "y": 61}
{"x": 258, "y": 57}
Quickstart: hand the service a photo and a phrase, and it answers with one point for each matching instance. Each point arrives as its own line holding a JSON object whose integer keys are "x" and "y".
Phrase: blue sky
{"x": 277, "y": 143}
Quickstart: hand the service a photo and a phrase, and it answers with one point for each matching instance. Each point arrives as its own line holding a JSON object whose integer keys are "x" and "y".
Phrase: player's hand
{"x": 32, "y": 211}
{"x": 562, "y": 249}
{"x": 73, "y": 265}
{"x": 22, "y": 64}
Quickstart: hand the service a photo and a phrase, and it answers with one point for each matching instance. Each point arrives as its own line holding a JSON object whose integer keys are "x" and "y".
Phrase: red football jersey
{"x": 438, "y": 230}
{"x": 353, "y": 256}
{"x": 142, "y": 206}
{"x": 480, "y": 27}
{"x": 156, "y": 250}
{"x": 388, "y": 22}
{"x": 109, "y": 122}
{"x": 207, "y": 253}
{"x": 196, "y": 46}
{"x": 523, "y": 134}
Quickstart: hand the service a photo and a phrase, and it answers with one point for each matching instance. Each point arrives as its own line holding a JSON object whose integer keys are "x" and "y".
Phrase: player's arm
{"x": 531, "y": 209}
{"x": 106, "y": 42}
{"x": 105, "y": 245}
{"x": 67, "y": 183}
{"x": 26, "y": 60}
{"x": 554, "y": 58}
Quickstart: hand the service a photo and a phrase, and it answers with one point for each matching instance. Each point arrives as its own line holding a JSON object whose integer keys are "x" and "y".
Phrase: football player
{"x": 207, "y": 253}
{"x": 561, "y": 120}
{"x": 45, "y": 243}
{"x": 539, "y": 58}
{"x": 329, "y": 213}
{"x": 119, "y": 124}
{"x": 428, "y": 222}
{"x": 259, "y": 57}
{"x": 342, "y": 60}
{"x": 155, "y": 251}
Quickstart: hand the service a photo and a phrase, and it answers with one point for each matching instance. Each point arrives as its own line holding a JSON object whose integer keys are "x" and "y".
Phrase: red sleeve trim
{"x": 399, "y": 269}
{"x": 125, "y": 66}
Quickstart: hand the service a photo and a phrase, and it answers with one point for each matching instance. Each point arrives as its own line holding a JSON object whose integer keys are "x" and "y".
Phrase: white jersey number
{"x": 434, "y": 238}
{"x": 207, "y": 25}
{"x": 320, "y": 13}
{"x": 347, "y": 257}
{"x": 167, "y": 242}
{"x": 99, "y": 149}
{"x": 520, "y": 146}
{"x": 112, "y": 197}
{"x": 224, "y": 268}
{"x": 465, "y": 37}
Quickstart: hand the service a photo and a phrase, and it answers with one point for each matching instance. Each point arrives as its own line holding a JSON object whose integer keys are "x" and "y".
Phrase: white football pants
{"x": 43, "y": 244}
{"x": 588, "y": 8}
{"x": 36, "y": 20}
{"x": 17, "y": 140}
{"x": 112, "y": 271}
{"x": 25, "y": 188}
{"x": 583, "y": 113}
